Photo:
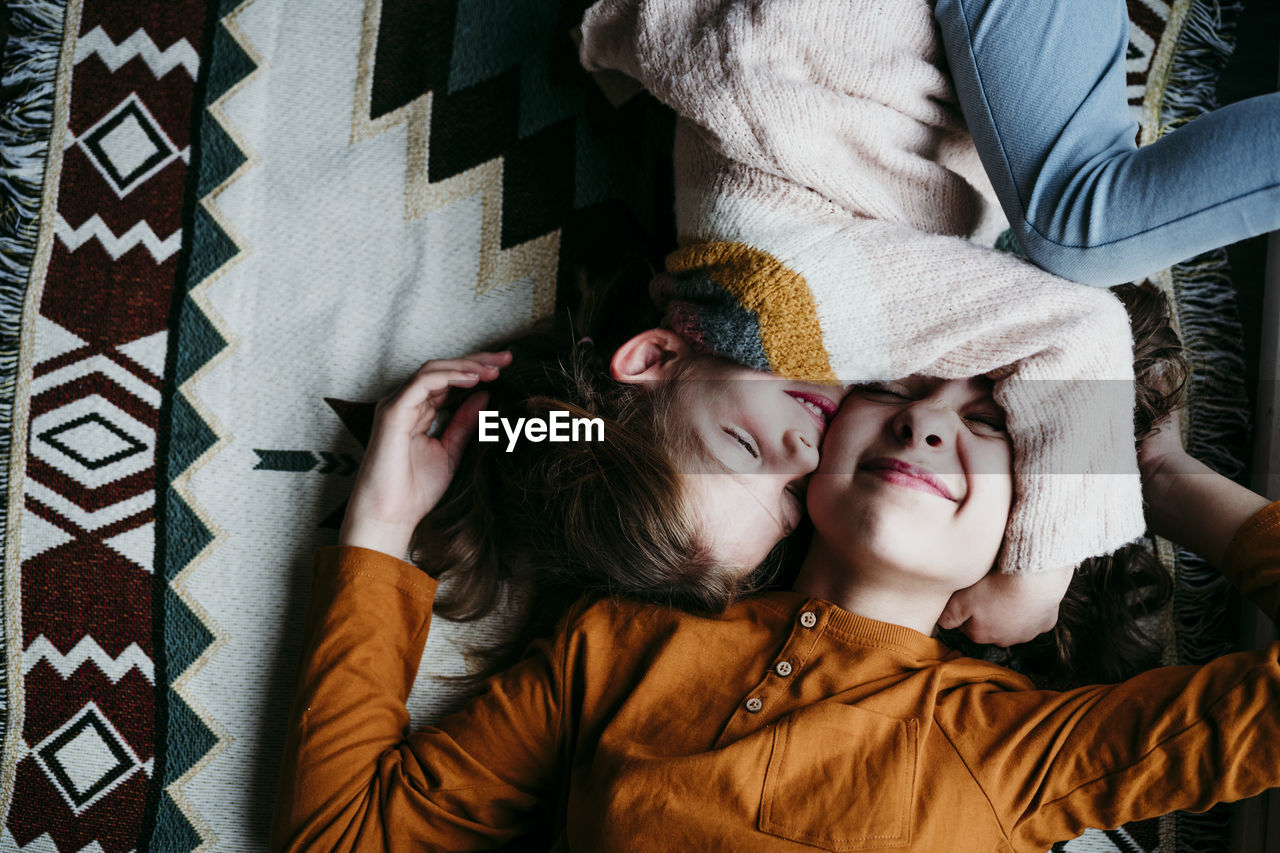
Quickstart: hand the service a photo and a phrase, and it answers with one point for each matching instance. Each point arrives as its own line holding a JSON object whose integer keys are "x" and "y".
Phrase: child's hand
{"x": 1161, "y": 449}
{"x": 405, "y": 472}
{"x": 1162, "y": 461}
{"x": 1187, "y": 501}
{"x": 1006, "y": 609}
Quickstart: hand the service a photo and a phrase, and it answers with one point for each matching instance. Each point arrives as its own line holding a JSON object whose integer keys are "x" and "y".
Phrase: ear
{"x": 650, "y": 356}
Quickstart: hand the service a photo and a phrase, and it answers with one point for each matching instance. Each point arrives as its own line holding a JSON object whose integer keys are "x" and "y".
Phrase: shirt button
{"x": 808, "y": 619}
{"x": 783, "y": 668}
{"x": 754, "y": 705}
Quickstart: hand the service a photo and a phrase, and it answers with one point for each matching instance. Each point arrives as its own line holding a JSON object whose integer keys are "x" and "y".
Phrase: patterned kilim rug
{"x": 216, "y": 215}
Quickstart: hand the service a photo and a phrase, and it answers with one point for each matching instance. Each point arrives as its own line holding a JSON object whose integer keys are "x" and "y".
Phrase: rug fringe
{"x": 1218, "y": 407}
{"x": 1204, "y": 46}
{"x": 1211, "y": 329}
{"x": 1213, "y": 333}
{"x": 27, "y": 80}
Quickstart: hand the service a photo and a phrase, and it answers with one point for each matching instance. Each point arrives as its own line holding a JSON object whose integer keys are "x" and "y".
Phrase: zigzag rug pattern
{"x": 187, "y": 534}
{"x": 93, "y": 749}
{"x": 504, "y": 82}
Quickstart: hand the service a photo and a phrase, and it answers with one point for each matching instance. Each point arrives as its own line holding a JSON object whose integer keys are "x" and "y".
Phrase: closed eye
{"x": 989, "y": 422}
{"x": 741, "y": 439}
{"x": 885, "y": 389}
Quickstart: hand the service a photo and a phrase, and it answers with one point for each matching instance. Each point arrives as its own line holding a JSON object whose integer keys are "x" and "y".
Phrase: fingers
{"x": 475, "y": 363}
{"x": 414, "y": 406}
{"x": 1004, "y": 610}
{"x": 1004, "y": 638}
{"x": 952, "y": 617}
{"x": 981, "y": 632}
{"x": 430, "y": 383}
{"x": 986, "y": 638}
{"x": 497, "y": 359}
{"x": 463, "y": 425}
{"x": 958, "y": 610}
{"x": 1001, "y": 633}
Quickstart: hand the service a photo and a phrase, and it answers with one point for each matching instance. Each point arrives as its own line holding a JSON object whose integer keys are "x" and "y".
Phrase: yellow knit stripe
{"x": 778, "y": 296}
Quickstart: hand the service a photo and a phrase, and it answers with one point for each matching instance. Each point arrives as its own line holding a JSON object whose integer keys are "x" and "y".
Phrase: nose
{"x": 926, "y": 422}
{"x": 799, "y": 452}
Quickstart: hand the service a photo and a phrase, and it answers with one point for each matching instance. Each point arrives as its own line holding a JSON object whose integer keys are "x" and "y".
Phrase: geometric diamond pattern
{"x": 92, "y": 441}
{"x": 86, "y": 758}
{"x": 98, "y": 379}
{"x": 94, "y": 400}
{"x": 128, "y": 146}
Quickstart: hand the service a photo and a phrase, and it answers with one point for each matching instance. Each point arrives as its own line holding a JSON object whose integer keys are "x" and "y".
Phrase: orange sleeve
{"x": 1054, "y": 764}
{"x": 1252, "y": 561}
{"x": 354, "y": 776}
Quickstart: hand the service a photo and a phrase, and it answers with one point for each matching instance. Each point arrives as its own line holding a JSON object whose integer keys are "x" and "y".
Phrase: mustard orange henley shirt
{"x": 785, "y": 724}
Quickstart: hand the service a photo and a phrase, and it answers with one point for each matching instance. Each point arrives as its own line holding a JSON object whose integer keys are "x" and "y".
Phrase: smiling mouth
{"x": 823, "y": 409}
{"x": 905, "y": 474}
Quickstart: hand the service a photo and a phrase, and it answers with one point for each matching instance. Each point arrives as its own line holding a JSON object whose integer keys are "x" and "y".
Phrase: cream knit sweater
{"x": 830, "y": 207}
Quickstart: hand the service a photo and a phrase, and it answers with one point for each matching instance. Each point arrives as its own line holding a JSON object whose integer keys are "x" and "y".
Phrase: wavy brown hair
{"x": 554, "y": 522}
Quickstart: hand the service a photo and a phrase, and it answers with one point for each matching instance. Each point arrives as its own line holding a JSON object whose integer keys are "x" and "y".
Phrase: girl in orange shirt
{"x": 826, "y": 716}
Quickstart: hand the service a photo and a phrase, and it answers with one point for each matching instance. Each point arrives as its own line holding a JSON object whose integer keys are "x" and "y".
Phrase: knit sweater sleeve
{"x": 1054, "y": 764}
{"x": 847, "y": 99}
{"x": 354, "y": 776}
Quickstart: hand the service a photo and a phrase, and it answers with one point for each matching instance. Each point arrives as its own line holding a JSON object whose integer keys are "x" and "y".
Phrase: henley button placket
{"x": 808, "y": 619}
{"x": 754, "y": 704}
{"x": 782, "y": 668}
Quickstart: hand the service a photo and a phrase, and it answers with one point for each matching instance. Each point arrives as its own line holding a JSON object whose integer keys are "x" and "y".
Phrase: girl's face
{"x": 916, "y": 476}
{"x": 759, "y": 437}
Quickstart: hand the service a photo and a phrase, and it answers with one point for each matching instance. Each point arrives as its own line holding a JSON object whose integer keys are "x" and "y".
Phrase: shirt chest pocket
{"x": 840, "y": 778}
